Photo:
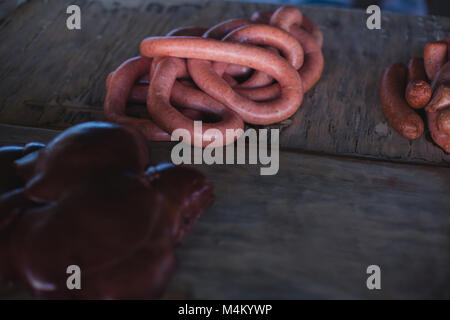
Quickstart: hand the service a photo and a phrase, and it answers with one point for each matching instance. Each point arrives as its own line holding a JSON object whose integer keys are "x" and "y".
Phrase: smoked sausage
{"x": 418, "y": 91}
{"x": 397, "y": 111}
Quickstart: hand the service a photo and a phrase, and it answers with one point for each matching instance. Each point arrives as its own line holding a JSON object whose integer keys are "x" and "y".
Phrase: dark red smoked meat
{"x": 89, "y": 198}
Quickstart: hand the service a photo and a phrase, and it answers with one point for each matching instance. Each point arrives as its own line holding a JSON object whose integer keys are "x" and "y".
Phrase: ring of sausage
{"x": 243, "y": 54}
{"x": 160, "y": 108}
{"x": 119, "y": 89}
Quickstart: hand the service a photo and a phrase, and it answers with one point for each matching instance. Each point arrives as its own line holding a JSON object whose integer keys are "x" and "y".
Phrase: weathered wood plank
{"x": 8, "y": 6}
{"x": 53, "y": 77}
{"x": 312, "y": 230}
{"x": 10, "y": 134}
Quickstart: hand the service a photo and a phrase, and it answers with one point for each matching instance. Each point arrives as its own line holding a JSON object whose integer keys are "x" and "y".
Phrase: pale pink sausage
{"x": 257, "y": 80}
{"x": 230, "y": 80}
{"x": 440, "y": 100}
{"x": 219, "y": 31}
{"x": 307, "y": 24}
{"x": 312, "y": 28}
{"x": 313, "y": 65}
{"x": 236, "y": 70}
{"x": 311, "y": 71}
{"x": 286, "y": 17}
{"x": 187, "y": 99}
{"x": 267, "y": 35}
{"x": 261, "y": 94}
{"x": 270, "y": 36}
{"x": 252, "y": 56}
{"x": 118, "y": 92}
{"x": 442, "y": 77}
{"x": 168, "y": 118}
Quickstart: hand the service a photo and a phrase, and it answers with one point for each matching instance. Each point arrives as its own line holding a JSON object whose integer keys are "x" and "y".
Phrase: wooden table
{"x": 350, "y": 191}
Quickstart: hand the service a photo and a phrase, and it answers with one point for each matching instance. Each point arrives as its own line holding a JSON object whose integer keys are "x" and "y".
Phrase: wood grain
{"x": 54, "y": 78}
{"x": 312, "y": 230}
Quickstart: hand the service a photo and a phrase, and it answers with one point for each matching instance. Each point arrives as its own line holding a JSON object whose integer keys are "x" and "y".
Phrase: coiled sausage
{"x": 160, "y": 109}
{"x": 255, "y": 57}
{"x": 120, "y": 86}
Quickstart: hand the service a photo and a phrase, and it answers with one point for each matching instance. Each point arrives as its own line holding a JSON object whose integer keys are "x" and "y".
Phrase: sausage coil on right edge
{"x": 439, "y": 136}
{"x": 397, "y": 111}
{"x": 441, "y": 89}
{"x": 435, "y": 55}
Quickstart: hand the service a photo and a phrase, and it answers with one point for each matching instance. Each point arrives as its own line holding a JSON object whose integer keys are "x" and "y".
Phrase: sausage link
{"x": 313, "y": 65}
{"x": 270, "y": 36}
{"x": 236, "y": 70}
{"x": 441, "y": 89}
{"x": 418, "y": 91}
{"x": 118, "y": 92}
{"x": 286, "y": 17}
{"x": 258, "y": 78}
{"x": 312, "y": 28}
{"x": 444, "y": 121}
{"x": 219, "y": 31}
{"x": 139, "y": 93}
{"x": 230, "y": 80}
{"x": 442, "y": 77}
{"x": 441, "y": 138}
{"x": 160, "y": 109}
{"x": 262, "y": 93}
{"x": 307, "y": 24}
{"x": 187, "y": 99}
{"x": 396, "y": 110}
{"x": 237, "y": 53}
{"x": 435, "y": 56}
